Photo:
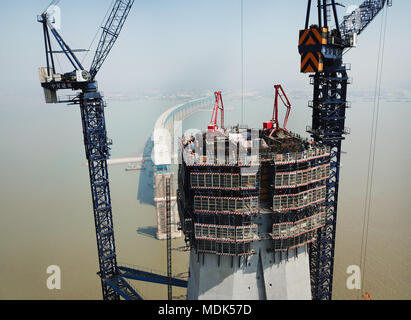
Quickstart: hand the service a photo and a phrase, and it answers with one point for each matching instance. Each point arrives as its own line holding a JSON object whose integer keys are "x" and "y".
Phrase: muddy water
{"x": 46, "y": 216}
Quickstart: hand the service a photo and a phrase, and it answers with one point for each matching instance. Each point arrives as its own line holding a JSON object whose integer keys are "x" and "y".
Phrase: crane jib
{"x": 111, "y": 30}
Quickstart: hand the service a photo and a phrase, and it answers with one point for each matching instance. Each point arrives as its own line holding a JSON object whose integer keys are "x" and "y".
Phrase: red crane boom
{"x": 214, "y": 117}
{"x": 273, "y": 124}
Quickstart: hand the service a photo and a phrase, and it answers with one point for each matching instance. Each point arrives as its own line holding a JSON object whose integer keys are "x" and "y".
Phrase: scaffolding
{"x": 222, "y": 193}
{"x": 223, "y": 181}
{"x": 226, "y": 233}
{"x": 193, "y": 159}
{"x": 299, "y": 200}
{"x": 225, "y": 248}
{"x": 303, "y": 156}
{"x": 227, "y": 205}
{"x": 301, "y": 177}
{"x": 287, "y": 244}
{"x": 287, "y": 230}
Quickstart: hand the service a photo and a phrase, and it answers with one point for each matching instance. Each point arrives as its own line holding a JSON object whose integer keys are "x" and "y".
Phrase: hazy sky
{"x": 184, "y": 45}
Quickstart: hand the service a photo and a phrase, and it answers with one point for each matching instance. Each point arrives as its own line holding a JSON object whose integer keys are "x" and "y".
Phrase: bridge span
{"x": 167, "y": 130}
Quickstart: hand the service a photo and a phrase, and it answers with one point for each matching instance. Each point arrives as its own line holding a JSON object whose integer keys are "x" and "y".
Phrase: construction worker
{"x": 366, "y": 296}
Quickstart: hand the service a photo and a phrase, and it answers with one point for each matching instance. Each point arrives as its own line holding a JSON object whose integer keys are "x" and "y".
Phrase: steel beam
{"x": 135, "y": 274}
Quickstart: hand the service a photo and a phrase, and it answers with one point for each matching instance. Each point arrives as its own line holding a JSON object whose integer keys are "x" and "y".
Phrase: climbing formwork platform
{"x": 224, "y": 183}
{"x": 245, "y": 198}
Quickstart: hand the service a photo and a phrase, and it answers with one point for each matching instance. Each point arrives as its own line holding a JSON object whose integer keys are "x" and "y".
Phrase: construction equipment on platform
{"x": 321, "y": 48}
{"x": 273, "y": 124}
{"x": 218, "y": 105}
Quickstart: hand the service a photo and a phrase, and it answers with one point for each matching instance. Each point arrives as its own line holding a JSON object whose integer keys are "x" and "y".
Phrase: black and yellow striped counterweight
{"x": 310, "y": 44}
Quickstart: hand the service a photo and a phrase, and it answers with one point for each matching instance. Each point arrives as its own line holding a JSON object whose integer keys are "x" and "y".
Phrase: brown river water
{"x": 46, "y": 215}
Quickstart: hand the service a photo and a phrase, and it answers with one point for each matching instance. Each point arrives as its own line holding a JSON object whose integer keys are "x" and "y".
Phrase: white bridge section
{"x": 167, "y": 130}
{"x": 168, "y": 127}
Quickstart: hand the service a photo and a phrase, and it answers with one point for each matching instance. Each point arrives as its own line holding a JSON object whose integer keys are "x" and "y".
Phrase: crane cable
{"x": 242, "y": 62}
{"x": 56, "y": 2}
{"x": 372, "y": 150}
{"x": 98, "y": 30}
{"x": 52, "y": 3}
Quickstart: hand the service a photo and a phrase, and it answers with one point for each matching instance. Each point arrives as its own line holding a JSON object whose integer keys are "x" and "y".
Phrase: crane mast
{"x": 321, "y": 49}
{"x": 96, "y": 142}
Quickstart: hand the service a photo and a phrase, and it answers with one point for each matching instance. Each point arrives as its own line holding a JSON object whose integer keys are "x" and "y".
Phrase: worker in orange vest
{"x": 366, "y": 296}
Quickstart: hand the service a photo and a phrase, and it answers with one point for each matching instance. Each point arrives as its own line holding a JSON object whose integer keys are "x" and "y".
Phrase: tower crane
{"x": 321, "y": 48}
{"x": 97, "y": 146}
{"x": 96, "y": 143}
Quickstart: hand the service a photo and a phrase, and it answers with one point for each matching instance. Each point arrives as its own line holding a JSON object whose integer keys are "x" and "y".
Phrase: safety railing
{"x": 193, "y": 159}
{"x": 225, "y": 232}
{"x": 307, "y": 155}
{"x": 228, "y": 181}
{"x": 301, "y": 177}
{"x": 225, "y": 248}
{"x": 294, "y": 229}
{"x": 282, "y": 245}
{"x": 300, "y": 200}
{"x": 228, "y": 205}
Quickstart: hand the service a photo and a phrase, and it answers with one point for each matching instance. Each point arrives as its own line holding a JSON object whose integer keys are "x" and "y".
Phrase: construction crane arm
{"x": 111, "y": 31}
{"x": 274, "y": 124}
{"x": 360, "y": 18}
{"x": 218, "y": 105}
{"x": 279, "y": 92}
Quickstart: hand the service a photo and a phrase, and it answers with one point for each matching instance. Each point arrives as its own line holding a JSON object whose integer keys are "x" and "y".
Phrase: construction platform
{"x": 249, "y": 202}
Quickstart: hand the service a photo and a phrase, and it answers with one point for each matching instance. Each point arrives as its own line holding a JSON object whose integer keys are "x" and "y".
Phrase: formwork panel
{"x": 299, "y": 178}
{"x": 300, "y": 200}
{"x": 225, "y": 205}
{"x": 226, "y": 232}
